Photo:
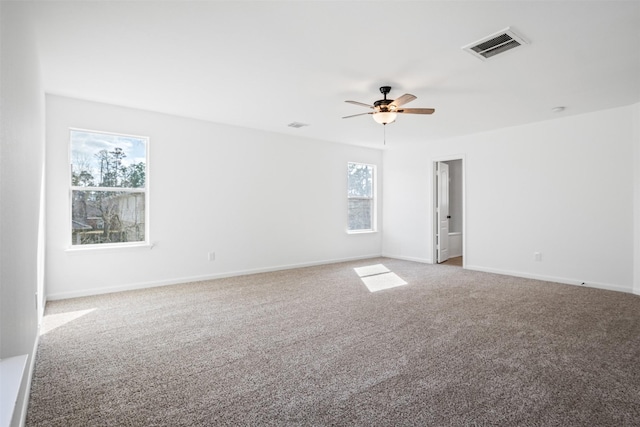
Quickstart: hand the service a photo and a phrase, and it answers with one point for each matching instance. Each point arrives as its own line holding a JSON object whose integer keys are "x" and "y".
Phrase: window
{"x": 361, "y": 197}
{"x": 108, "y": 188}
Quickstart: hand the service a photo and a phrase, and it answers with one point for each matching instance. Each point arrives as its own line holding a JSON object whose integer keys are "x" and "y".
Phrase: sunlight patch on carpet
{"x": 370, "y": 270}
{"x": 53, "y": 321}
{"x": 383, "y": 281}
{"x": 378, "y": 277}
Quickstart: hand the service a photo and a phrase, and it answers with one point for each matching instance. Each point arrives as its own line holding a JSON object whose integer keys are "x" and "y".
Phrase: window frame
{"x": 71, "y": 188}
{"x": 373, "y": 199}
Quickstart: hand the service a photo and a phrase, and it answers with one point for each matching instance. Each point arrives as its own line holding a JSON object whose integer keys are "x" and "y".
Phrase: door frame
{"x": 434, "y": 204}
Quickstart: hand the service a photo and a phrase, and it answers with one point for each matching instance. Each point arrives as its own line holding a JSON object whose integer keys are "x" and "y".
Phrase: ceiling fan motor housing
{"x": 382, "y": 104}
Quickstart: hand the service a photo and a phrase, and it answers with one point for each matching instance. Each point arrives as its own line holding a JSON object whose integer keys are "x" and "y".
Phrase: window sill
{"x": 108, "y": 248}
{"x": 12, "y": 370}
{"x": 361, "y": 231}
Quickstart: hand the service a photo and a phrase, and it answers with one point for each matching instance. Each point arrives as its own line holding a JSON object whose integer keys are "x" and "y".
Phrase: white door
{"x": 442, "y": 211}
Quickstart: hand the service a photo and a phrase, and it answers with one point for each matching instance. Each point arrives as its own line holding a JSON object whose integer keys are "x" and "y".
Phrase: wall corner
{"x": 636, "y": 197}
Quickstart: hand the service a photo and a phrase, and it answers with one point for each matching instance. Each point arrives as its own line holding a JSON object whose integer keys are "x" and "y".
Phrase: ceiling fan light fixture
{"x": 385, "y": 117}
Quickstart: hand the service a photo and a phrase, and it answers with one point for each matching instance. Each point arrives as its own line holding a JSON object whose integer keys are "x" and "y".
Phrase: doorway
{"x": 449, "y": 211}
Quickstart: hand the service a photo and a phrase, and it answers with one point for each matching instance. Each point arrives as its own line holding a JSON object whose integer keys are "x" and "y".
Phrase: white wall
{"x": 21, "y": 171}
{"x": 562, "y": 187}
{"x": 260, "y": 200}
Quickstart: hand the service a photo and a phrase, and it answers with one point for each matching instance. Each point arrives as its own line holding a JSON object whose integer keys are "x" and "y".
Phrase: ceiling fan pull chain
{"x": 384, "y": 138}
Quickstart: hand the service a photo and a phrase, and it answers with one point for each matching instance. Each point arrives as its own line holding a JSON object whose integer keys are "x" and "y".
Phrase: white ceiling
{"x": 265, "y": 64}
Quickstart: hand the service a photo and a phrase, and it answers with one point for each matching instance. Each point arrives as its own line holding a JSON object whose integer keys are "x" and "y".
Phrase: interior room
{"x": 500, "y": 176}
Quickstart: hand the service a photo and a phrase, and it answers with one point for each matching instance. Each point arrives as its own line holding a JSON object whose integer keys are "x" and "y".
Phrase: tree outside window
{"x": 361, "y": 197}
{"x": 108, "y": 188}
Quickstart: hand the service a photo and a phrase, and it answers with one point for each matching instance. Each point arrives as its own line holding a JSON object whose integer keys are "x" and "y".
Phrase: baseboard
{"x": 179, "y": 280}
{"x": 562, "y": 280}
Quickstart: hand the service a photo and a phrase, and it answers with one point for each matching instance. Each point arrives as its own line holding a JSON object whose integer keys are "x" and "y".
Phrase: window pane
{"x": 107, "y": 217}
{"x": 360, "y": 214}
{"x": 106, "y": 160}
{"x": 360, "y": 180}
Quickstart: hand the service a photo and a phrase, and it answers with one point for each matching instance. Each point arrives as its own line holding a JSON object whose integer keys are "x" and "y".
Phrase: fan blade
{"x": 362, "y": 104}
{"x": 361, "y": 114}
{"x": 416, "y": 110}
{"x": 407, "y": 97}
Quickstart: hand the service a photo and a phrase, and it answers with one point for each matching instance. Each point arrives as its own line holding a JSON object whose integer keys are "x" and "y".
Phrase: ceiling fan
{"x": 385, "y": 110}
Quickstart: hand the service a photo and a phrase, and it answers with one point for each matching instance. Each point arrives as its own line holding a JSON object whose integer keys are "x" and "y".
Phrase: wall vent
{"x": 297, "y": 125}
{"x": 495, "y": 44}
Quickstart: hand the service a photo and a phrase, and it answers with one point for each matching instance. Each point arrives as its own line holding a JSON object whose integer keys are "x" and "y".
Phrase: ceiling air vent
{"x": 297, "y": 125}
{"x": 495, "y": 44}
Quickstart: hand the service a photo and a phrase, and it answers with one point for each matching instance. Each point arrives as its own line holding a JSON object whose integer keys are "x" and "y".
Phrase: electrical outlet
{"x": 537, "y": 256}
{"x": 211, "y": 256}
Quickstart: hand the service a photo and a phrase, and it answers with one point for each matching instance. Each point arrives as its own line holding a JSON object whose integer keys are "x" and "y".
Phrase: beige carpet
{"x": 314, "y": 346}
